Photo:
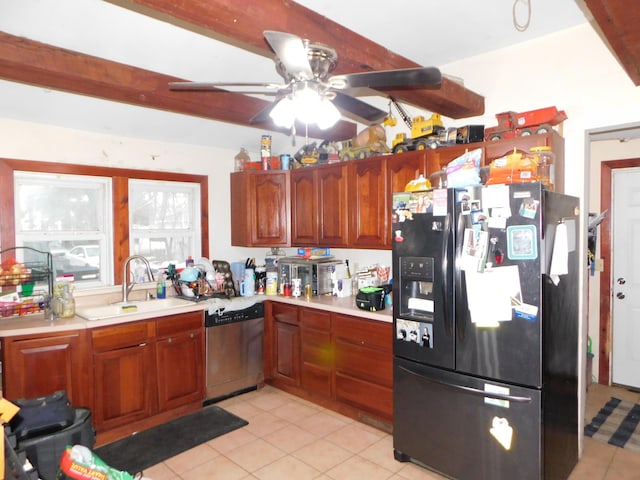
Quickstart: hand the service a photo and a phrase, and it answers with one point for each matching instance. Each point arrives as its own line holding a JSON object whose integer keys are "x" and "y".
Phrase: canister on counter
{"x": 272, "y": 282}
{"x": 265, "y": 151}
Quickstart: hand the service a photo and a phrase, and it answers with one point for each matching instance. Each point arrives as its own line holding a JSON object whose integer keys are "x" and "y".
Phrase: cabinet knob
{"x": 192, "y": 335}
{"x": 169, "y": 339}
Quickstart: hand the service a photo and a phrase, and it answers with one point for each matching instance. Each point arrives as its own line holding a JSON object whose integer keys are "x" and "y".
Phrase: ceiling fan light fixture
{"x": 283, "y": 114}
{"x": 327, "y": 115}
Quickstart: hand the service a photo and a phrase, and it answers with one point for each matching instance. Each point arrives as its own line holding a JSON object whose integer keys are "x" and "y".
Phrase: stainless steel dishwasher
{"x": 234, "y": 350}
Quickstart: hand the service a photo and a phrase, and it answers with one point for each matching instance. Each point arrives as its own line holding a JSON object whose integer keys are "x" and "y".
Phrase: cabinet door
{"x": 287, "y": 353}
{"x": 401, "y": 169}
{"x": 180, "y": 367}
{"x": 33, "y": 367}
{"x": 316, "y": 351}
{"x": 124, "y": 386}
{"x": 404, "y": 167}
{"x": 304, "y": 207}
{"x": 368, "y": 203}
{"x": 260, "y": 208}
{"x": 333, "y": 206}
{"x": 364, "y": 364}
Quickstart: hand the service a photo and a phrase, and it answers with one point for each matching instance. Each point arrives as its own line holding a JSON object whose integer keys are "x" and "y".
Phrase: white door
{"x": 626, "y": 277}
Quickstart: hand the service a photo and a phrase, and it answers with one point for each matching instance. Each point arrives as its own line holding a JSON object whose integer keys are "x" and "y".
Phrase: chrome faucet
{"x": 126, "y": 288}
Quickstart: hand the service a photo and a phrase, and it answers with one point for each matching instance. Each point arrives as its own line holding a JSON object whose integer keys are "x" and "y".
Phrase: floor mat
{"x": 149, "y": 447}
{"x": 617, "y": 424}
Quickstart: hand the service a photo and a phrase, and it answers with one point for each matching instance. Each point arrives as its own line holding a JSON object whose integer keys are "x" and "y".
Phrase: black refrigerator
{"x": 485, "y": 312}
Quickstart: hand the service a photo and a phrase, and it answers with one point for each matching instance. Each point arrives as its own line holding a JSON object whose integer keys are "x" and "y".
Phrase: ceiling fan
{"x": 309, "y": 94}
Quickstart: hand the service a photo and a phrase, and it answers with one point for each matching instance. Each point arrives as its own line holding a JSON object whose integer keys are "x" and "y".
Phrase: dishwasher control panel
{"x": 233, "y": 316}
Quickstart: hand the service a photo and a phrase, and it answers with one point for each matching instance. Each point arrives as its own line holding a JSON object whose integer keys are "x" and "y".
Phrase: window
{"x": 92, "y": 218}
{"x": 164, "y": 218}
{"x": 69, "y": 216}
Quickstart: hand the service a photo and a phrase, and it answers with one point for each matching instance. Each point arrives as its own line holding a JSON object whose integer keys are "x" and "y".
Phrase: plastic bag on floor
{"x": 80, "y": 463}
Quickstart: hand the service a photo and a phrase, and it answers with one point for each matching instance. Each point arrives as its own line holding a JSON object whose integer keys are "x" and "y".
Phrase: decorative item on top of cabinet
{"x": 260, "y": 208}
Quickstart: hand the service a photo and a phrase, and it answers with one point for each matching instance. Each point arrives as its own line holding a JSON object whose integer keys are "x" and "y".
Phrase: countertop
{"x": 34, "y": 324}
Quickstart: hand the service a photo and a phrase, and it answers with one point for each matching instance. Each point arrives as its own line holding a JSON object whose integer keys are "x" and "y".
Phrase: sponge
{"x": 129, "y": 308}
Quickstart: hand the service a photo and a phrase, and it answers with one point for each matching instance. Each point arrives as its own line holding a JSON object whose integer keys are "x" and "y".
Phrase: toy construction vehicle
{"x": 369, "y": 142}
{"x": 512, "y": 124}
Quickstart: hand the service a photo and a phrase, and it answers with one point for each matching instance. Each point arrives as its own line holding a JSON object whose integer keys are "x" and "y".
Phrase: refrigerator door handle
{"x": 446, "y": 289}
{"x": 461, "y": 306}
{"x": 474, "y": 391}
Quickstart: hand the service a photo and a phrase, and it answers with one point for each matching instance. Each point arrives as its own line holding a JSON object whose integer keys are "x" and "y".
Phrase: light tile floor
{"x": 291, "y": 439}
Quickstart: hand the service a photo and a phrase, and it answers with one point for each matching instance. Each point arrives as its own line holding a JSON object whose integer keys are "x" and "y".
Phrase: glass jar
{"x": 439, "y": 179}
{"x": 240, "y": 159}
{"x": 544, "y": 158}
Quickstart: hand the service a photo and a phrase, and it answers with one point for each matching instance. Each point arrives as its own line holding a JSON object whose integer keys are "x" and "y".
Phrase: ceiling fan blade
{"x": 263, "y": 115}
{"x": 291, "y": 52}
{"x": 358, "y": 110}
{"x": 402, "y": 78}
{"x": 268, "y": 88}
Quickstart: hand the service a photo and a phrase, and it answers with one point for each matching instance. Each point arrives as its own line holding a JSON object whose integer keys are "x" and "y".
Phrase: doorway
{"x": 605, "y": 336}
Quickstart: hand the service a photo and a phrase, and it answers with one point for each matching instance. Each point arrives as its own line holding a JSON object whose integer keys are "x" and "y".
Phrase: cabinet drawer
{"x": 370, "y": 333}
{"x": 316, "y": 319}
{"x": 122, "y": 335}
{"x": 372, "y": 397}
{"x": 365, "y": 363}
{"x": 316, "y": 347}
{"x": 172, "y": 325}
{"x": 285, "y": 313}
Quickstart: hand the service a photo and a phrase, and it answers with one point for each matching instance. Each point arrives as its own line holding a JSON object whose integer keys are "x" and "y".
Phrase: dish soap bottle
{"x": 161, "y": 288}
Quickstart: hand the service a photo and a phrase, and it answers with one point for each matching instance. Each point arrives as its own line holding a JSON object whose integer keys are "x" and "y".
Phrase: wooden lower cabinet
{"x": 124, "y": 374}
{"x": 146, "y": 368}
{"x": 317, "y": 351}
{"x": 364, "y": 364}
{"x": 286, "y": 344}
{"x": 38, "y": 365}
{"x": 180, "y": 360}
{"x": 341, "y": 361}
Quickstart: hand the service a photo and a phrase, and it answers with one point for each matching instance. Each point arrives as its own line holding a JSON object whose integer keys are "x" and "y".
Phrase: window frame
{"x": 120, "y": 191}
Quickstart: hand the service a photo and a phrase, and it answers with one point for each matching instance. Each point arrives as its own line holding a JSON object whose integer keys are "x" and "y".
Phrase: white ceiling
{"x": 426, "y": 31}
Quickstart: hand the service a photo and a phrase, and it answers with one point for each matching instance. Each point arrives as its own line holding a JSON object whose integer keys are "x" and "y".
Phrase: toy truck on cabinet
{"x": 423, "y": 132}
{"x": 371, "y": 141}
{"x": 512, "y": 124}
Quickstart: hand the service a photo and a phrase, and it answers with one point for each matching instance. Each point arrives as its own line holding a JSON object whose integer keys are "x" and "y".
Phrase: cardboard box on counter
{"x": 310, "y": 252}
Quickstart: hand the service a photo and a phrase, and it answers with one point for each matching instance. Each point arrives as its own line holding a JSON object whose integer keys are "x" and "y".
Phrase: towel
{"x": 560, "y": 254}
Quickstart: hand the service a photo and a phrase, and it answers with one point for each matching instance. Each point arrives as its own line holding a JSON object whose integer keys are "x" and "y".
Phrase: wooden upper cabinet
{"x": 260, "y": 208}
{"x": 368, "y": 203}
{"x": 403, "y": 168}
{"x": 333, "y": 205}
{"x": 319, "y": 206}
{"x": 304, "y": 206}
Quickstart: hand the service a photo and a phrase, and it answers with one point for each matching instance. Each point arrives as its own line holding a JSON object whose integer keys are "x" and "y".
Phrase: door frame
{"x": 605, "y": 344}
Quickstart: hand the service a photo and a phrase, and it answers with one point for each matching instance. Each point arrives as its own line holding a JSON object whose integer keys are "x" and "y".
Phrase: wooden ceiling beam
{"x": 618, "y": 22}
{"x": 241, "y": 25}
{"x": 35, "y": 63}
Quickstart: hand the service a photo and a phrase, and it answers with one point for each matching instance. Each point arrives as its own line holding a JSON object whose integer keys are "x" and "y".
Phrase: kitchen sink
{"x": 123, "y": 309}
